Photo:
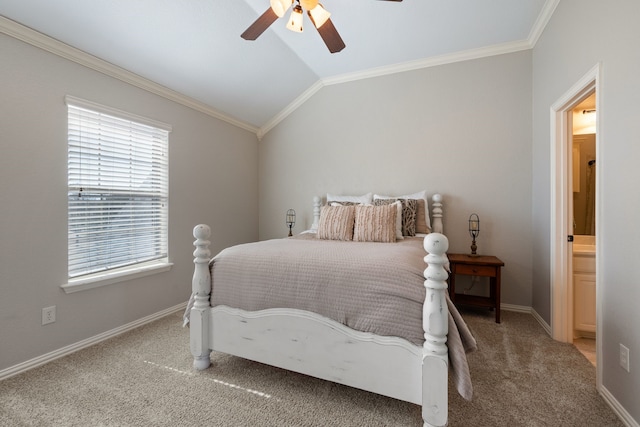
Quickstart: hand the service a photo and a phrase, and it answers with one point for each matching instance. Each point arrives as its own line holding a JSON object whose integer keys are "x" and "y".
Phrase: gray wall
{"x": 463, "y": 130}
{"x": 580, "y": 34}
{"x": 476, "y": 131}
{"x": 213, "y": 179}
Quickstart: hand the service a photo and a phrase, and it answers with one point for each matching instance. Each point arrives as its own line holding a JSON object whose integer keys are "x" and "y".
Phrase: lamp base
{"x": 473, "y": 248}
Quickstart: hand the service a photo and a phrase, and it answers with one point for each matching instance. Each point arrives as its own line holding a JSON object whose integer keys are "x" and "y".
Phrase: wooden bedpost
{"x": 436, "y": 213}
{"x": 435, "y": 321}
{"x": 201, "y": 288}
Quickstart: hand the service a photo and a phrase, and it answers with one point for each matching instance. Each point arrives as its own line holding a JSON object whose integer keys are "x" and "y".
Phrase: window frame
{"x": 135, "y": 269}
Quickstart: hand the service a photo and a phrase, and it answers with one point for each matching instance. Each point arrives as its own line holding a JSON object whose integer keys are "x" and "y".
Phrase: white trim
{"x": 536, "y": 31}
{"x": 619, "y": 410}
{"x": 392, "y": 69}
{"x": 542, "y": 322}
{"x": 543, "y": 19}
{"x": 516, "y": 308}
{"x": 39, "y": 40}
{"x": 528, "y": 310}
{"x": 434, "y": 61}
{"x": 67, "y": 350}
{"x": 56, "y": 47}
{"x": 290, "y": 108}
{"x": 560, "y": 262}
{"x": 560, "y": 301}
{"x": 118, "y": 275}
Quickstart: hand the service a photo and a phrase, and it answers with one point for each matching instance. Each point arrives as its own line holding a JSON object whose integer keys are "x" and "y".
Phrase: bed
{"x": 240, "y": 306}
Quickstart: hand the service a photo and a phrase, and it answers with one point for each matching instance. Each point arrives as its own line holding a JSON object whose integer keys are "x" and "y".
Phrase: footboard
{"x": 386, "y": 365}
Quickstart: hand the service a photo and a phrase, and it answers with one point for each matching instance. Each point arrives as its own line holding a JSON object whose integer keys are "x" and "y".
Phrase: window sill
{"x": 115, "y": 276}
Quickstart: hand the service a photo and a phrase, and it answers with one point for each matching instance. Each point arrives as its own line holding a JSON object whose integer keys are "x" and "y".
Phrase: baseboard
{"x": 617, "y": 408}
{"x": 622, "y": 413}
{"x": 542, "y": 322}
{"x": 516, "y": 308}
{"x": 529, "y": 310}
{"x": 65, "y": 351}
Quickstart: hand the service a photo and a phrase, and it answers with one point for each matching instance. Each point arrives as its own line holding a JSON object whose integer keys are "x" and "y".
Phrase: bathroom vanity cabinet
{"x": 584, "y": 289}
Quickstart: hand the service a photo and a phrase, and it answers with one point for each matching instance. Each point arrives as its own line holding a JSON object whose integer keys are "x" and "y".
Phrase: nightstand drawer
{"x": 475, "y": 270}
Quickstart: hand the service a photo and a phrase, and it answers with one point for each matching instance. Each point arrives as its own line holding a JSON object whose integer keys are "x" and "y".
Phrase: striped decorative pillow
{"x": 408, "y": 217}
{"x": 375, "y": 224}
{"x": 336, "y": 223}
{"x": 423, "y": 223}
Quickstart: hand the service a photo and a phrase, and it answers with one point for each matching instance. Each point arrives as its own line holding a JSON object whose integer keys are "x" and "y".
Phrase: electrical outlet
{"x": 624, "y": 357}
{"x": 48, "y": 315}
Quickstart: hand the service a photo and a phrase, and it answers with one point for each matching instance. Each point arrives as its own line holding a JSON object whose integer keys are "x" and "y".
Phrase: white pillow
{"x": 364, "y": 199}
{"x": 419, "y": 195}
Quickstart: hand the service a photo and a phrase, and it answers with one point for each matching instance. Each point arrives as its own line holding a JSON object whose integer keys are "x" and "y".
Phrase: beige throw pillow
{"x": 336, "y": 223}
{"x": 375, "y": 224}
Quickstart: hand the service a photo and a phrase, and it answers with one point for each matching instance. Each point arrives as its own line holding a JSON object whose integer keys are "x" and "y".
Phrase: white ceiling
{"x": 194, "y": 47}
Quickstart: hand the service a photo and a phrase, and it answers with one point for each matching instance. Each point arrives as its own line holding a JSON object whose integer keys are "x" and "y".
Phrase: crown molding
{"x": 290, "y": 108}
{"x": 393, "y": 69}
{"x": 431, "y": 62}
{"x": 536, "y": 31}
{"x": 56, "y": 47}
{"x": 541, "y": 23}
{"x": 51, "y": 45}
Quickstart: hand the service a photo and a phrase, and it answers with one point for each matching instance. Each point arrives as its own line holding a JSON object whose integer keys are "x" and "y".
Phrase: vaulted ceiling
{"x": 193, "y": 47}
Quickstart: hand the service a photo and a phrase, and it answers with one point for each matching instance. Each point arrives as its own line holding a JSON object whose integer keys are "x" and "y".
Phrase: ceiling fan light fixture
{"x": 308, "y": 4}
{"x": 295, "y": 20}
{"x": 319, "y": 15}
{"x": 280, "y": 6}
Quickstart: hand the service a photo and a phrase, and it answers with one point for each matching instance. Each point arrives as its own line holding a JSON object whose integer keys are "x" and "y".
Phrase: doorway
{"x": 562, "y": 218}
{"x": 583, "y": 172}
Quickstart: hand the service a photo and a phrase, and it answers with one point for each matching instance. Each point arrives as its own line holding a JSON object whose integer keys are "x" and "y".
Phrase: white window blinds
{"x": 117, "y": 189}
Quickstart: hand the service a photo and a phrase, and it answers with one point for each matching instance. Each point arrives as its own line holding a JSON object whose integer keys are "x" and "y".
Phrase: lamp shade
{"x": 295, "y": 20}
{"x": 474, "y": 225}
{"x": 281, "y": 6}
{"x": 319, "y": 15}
{"x": 291, "y": 220}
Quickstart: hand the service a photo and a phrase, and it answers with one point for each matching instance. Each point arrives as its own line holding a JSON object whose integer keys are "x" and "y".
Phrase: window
{"x": 117, "y": 191}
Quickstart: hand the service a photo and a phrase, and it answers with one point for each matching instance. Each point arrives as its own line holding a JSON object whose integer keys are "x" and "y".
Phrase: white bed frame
{"x": 311, "y": 344}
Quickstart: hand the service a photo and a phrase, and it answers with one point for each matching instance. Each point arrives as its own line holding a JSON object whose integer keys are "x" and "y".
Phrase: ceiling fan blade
{"x": 331, "y": 37}
{"x": 260, "y": 25}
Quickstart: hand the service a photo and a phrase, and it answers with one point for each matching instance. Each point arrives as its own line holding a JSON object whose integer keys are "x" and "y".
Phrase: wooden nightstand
{"x": 481, "y": 265}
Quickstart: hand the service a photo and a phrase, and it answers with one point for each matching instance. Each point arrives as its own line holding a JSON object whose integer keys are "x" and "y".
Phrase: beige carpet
{"x": 144, "y": 378}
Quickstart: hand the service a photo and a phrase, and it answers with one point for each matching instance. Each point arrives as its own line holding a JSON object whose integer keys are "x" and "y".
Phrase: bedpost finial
{"x": 436, "y": 243}
{"x": 437, "y": 198}
{"x": 201, "y": 231}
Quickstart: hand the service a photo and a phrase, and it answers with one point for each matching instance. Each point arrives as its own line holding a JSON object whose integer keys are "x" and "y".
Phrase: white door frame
{"x": 561, "y": 201}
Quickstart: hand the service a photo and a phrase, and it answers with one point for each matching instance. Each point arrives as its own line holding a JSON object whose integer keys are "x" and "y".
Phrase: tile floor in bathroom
{"x": 587, "y": 346}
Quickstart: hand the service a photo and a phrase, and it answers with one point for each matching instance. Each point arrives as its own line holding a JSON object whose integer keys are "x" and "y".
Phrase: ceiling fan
{"x": 317, "y": 13}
